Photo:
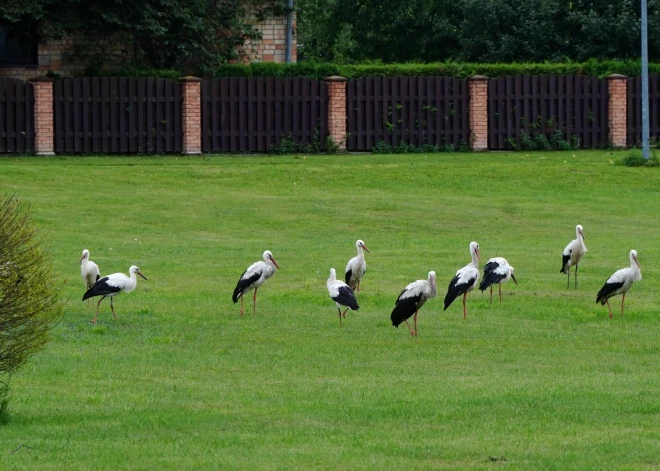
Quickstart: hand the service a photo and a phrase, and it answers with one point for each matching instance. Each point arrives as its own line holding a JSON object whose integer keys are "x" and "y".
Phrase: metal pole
{"x": 289, "y": 32}
{"x": 645, "y": 84}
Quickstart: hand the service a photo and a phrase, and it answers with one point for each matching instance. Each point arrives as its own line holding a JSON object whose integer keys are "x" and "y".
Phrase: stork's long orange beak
{"x": 140, "y": 273}
{"x": 274, "y": 262}
{"x": 514, "y": 279}
{"x": 365, "y": 248}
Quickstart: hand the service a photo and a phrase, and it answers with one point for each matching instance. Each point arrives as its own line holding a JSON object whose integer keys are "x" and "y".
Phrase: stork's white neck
{"x": 475, "y": 260}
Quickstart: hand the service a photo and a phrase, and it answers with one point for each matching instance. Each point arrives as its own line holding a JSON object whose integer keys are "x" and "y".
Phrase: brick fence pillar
{"x": 337, "y": 109}
{"x": 478, "y": 90}
{"x": 44, "y": 119}
{"x": 617, "y": 112}
{"x": 192, "y": 115}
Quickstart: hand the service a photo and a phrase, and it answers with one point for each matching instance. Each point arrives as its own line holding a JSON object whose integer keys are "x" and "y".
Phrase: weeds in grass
{"x": 634, "y": 158}
{"x": 382, "y": 147}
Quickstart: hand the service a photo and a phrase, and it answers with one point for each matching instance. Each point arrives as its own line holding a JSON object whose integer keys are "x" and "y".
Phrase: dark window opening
{"x": 18, "y": 45}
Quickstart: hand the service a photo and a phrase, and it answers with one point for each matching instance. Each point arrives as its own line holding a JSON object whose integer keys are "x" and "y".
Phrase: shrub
{"x": 634, "y": 158}
{"x": 29, "y": 302}
{"x": 447, "y": 69}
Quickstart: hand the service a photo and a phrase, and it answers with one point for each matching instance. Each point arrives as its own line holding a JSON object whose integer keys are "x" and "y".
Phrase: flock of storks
{"x": 496, "y": 271}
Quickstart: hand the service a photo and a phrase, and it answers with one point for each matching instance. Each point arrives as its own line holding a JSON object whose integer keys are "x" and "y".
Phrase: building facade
{"x": 22, "y": 57}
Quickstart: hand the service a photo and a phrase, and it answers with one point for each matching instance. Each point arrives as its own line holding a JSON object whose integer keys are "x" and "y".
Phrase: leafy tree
{"x": 189, "y": 35}
{"x": 348, "y": 31}
{"x": 29, "y": 303}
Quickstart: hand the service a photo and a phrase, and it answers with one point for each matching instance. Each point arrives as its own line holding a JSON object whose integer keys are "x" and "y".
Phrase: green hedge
{"x": 449, "y": 69}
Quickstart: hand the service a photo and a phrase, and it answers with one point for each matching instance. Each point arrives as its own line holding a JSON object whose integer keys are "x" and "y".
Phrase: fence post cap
{"x": 478, "y": 77}
{"x": 335, "y": 78}
{"x": 190, "y": 78}
{"x": 616, "y": 76}
{"x": 43, "y": 78}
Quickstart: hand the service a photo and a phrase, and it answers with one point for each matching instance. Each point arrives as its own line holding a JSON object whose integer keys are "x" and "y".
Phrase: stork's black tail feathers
{"x": 606, "y": 291}
{"x": 454, "y": 291}
{"x": 489, "y": 279}
{"x": 403, "y": 310}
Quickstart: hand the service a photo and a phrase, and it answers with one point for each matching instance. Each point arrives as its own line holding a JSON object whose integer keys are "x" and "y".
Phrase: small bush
{"x": 635, "y": 159}
{"x": 234, "y": 70}
{"x": 29, "y": 299}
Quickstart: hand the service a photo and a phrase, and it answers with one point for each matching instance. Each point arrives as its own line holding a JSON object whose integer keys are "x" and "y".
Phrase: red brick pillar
{"x": 337, "y": 109}
{"x": 478, "y": 90}
{"x": 192, "y": 115}
{"x": 617, "y": 112}
{"x": 44, "y": 119}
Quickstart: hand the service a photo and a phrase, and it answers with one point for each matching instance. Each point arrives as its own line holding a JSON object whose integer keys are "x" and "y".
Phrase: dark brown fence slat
{"x": 112, "y": 115}
{"x": 574, "y": 105}
{"x": 406, "y": 110}
{"x": 634, "y": 125}
{"x": 253, "y": 114}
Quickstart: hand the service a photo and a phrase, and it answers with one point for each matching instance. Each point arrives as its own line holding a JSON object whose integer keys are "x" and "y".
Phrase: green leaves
{"x": 29, "y": 302}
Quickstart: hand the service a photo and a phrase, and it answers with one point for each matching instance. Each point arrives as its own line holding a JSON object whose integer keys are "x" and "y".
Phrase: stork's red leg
{"x": 254, "y": 300}
{"x": 500, "y": 293}
{"x": 339, "y": 310}
{"x": 412, "y": 332}
{"x": 97, "y": 310}
{"x": 622, "y": 300}
{"x": 113, "y": 309}
{"x": 608, "y": 307}
{"x": 415, "y": 323}
{"x": 464, "y": 310}
{"x": 345, "y": 313}
{"x": 242, "y": 310}
{"x": 491, "y": 294}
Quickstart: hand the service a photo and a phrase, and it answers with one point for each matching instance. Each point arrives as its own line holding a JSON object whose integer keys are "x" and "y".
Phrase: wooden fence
{"x": 634, "y": 127}
{"x": 16, "y": 116}
{"x": 253, "y": 114}
{"x": 117, "y": 115}
{"x": 576, "y": 106}
{"x": 409, "y": 110}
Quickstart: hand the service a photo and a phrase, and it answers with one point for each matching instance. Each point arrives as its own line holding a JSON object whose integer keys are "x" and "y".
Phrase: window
{"x": 18, "y": 45}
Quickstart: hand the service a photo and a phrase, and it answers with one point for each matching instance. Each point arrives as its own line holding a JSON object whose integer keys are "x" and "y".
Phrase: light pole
{"x": 645, "y": 84}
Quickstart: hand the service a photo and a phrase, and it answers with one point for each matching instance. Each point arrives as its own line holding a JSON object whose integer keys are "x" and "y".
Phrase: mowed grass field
{"x": 180, "y": 381}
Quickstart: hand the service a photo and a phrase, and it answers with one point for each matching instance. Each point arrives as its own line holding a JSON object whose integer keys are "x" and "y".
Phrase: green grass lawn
{"x": 181, "y": 381}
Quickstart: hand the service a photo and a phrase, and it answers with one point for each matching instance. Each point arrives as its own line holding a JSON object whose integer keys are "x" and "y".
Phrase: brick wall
{"x": 337, "y": 109}
{"x": 272, "y": 46}
{"x": 617, "y": 112}
{"x": 44, "y": 139}
{"x": 192, "y": 115}
{"x": 55, "y": 56}
{"x": 478, "y": 90}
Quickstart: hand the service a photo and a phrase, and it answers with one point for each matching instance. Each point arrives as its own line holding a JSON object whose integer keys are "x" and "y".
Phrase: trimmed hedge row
{"x": 449, "y": 69}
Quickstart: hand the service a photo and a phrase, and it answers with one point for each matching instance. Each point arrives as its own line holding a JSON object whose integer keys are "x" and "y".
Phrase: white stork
{"x": 112, "y": 285}
{"x": 620, "y": 282}
{"x": 253, "y": 277}
{"x": 89, "y": 271}
{"x": 466, "y": 279}
{"x": 496, "y": 271}
{"x": 341, "y": 294}
{"x": 411, "y": 300}
{"x": 572, "y": 255}
{"x": 356, "y": 267}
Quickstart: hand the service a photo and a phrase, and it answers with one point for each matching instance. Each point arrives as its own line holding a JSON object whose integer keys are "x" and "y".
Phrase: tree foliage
{"x": 188, "y": 35}
{"x": 29, "y": 302}
{"x": 350, "y": 31}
